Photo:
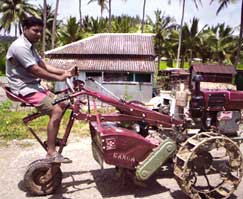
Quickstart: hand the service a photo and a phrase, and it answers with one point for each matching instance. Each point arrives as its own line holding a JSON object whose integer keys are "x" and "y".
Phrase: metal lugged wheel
{"x": 208, "y": 165}
{"x": 42, "y": 177}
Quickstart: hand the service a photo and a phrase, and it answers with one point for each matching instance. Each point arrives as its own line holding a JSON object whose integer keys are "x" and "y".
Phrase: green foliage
{"x": 164, "y": 65}
{"x": 2, "y": 66}
{"x": 13, "y": 12}
{"x": 3, "y": 51}
{"x": 126, "y": 95}
{"x": 162, "y": 28}
{"x": 69, "y": 32}
{"x": 6, "y": 105}
{"x": 124, "y": 24}
{"x": 240, "y": 66}
{"x": 50, "y": 12}
{"x": 11, "y": 126}
{"x": 214, "y": 44}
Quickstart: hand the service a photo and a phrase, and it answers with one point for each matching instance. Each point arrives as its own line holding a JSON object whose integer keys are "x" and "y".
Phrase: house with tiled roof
{"x": 122, "y": 63}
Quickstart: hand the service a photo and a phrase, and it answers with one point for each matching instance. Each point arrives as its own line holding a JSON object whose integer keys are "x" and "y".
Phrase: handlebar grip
{"x": 56, "y": 101}
{"x": 76, "y": 71}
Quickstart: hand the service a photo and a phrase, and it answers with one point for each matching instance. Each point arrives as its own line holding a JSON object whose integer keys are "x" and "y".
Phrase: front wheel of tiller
{"x": 42, "y": 178}
{"x": 208, "y": 166}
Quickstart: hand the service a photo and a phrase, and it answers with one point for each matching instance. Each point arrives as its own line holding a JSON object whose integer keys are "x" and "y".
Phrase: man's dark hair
{"x": 32, "y": 21}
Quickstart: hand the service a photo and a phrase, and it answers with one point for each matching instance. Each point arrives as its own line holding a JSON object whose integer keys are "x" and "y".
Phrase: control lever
{"x": 91, "y": 79}
{"x": 70, "y": 84}
{"x": 56, "y": 101}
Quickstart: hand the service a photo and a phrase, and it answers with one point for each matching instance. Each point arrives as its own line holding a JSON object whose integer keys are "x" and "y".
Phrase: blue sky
{"x": 206, "y": 13}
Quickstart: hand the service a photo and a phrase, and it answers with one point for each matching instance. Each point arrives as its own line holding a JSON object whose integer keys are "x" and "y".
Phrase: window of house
{"x": 115, "y": 77}
{"x": 142, "y": 77}
{"x": 93, "y": 74}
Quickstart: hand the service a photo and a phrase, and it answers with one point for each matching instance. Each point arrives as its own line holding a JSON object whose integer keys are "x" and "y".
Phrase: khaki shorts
{"x": 46, "y": 106}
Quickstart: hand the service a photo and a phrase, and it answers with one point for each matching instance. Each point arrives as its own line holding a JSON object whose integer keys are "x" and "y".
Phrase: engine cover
{"x": 219, "y": 100}
{"x": 228, "y": 121}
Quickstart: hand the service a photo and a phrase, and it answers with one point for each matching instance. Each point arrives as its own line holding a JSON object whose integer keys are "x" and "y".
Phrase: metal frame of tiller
{"x": 130, "y": 112}
{"x": 130, "y": 150}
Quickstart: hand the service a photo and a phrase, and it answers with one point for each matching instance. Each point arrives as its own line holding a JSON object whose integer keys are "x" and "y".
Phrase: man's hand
{"x": 73, "y": 70}
{"x": 65, "y": 75}
{"x": 69, "y": 73}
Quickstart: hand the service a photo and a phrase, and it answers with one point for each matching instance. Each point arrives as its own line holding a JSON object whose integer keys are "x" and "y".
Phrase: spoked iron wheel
{"x": 208, "y": 165}
{"x": 42, "y": 177}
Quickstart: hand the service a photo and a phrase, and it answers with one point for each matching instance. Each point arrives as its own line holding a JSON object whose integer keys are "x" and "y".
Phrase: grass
{"x": 11, "y": 126}
{"x": 164, "y": 65}
{"x": 240, "y": 66}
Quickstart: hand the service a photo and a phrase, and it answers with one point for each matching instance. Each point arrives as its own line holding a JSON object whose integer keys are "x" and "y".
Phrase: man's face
{"x": 33, "y": 34}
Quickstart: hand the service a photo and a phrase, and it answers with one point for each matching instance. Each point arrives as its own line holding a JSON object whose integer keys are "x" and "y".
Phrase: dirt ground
{"x": 82, "y": 179}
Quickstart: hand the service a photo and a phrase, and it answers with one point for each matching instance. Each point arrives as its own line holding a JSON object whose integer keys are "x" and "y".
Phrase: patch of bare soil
{"x": 82, "y": 179}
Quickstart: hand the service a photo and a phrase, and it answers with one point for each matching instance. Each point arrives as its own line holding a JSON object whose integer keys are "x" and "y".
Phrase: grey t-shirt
{"x": 20, "y": 56}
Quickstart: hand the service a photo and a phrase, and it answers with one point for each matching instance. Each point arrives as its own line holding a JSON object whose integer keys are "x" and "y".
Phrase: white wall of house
{"x": 129, "y": 90}
{"x": 140, "y": 92}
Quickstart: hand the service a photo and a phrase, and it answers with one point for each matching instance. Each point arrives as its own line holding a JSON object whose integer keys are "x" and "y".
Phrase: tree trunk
{"x": 44, "y": 29}
{"x": 190, "y": 59}
{"x": 143, "y": 20}
{"x": 240, "y": 37}
{"x": 110, "y": 27}
{"x": 204, "y": 59}
{"x": 158, "y": 69}
{"x": 80, "y": 15}
{"x": 53, "y": 38}
{"x": 20, "y": 28}
{"x": 16, "y": 30}
{"x": 180, "y": 35}
{"x": 182, "y": 62}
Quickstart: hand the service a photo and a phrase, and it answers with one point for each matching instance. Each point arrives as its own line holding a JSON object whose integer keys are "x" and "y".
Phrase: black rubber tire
{"x": 34, "y": 173}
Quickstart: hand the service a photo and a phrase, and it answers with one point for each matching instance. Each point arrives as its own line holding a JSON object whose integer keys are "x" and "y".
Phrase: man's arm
{"x": 50, "y": 68}
{"x": 55, "y": 70}
{"x": 47, "y": 75}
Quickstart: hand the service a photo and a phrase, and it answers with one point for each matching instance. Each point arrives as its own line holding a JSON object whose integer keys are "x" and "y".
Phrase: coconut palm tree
{"x": 110, "y": 27}
{"x": 223, "y": 4}
{"x": 102, "y": 4}
{"x": 69, "y": 32}
{"x": 53, "y": 38}
{"x": 80, "y": 13}
{"x": 162, "y": 28}
{"x": 191, "y": 38}
{"x": 124, "y": 24}
{"x": 49, "y": 21}
{"x": 143, "y": 22}
{"x": 224, "y": 45}
{"x": 206, "y": 41}
{"x": 44, "y": 27}
{"x": 87, "y": 23}
{"x": 181, "y": 25}
{"x": 13, "y": 12}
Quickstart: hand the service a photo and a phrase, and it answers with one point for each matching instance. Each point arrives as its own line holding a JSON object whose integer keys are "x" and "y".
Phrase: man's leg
{"x": 53, "y": 128}
{"x": 55, "y": 112}
{"x": 44, "y": 105}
